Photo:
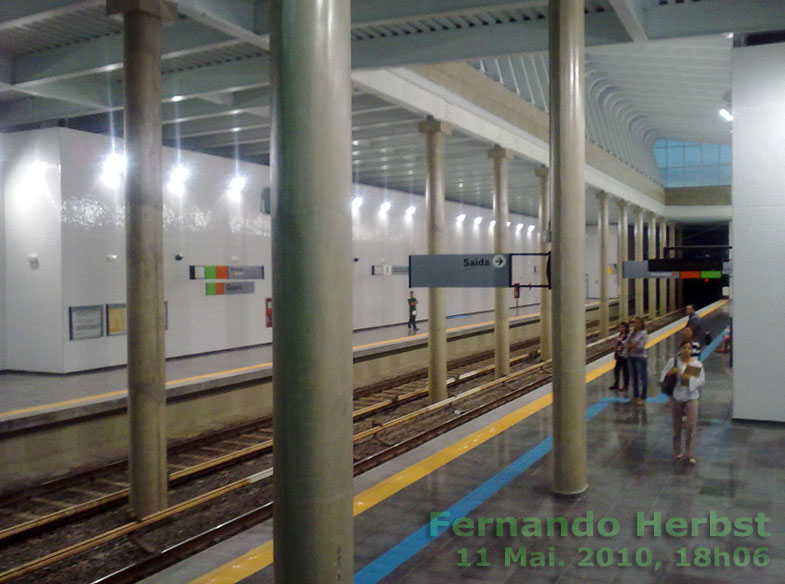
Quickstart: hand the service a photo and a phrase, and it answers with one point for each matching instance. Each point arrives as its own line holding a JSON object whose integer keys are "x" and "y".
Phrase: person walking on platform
{"x": 620, "y": 354}
{"x": 412, "y": 302}
{"x": 637, "y": 361}
{"x": 684, "y": 401}
{"x": 694, "y": 321}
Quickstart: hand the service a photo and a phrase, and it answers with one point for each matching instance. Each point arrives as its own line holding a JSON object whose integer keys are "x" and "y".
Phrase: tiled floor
{"x": 740, "y": 473}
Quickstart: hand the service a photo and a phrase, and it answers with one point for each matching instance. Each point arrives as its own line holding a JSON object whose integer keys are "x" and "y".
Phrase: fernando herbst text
{"x": 645, "y": 525}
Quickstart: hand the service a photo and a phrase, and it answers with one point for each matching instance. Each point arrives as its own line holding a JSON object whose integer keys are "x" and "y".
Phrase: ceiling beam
{"x": 715, "y": 17}
{"x": 473, "y": 43}
{"x": 105, "y": 54}
{"x": 231, "y": 18}
{"x": 381, "y": 12}
{"x": 16, "y": 13}
{"x": 630, "y": 13}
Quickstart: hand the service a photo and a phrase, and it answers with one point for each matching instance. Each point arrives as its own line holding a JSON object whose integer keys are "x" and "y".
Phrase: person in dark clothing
{"x": 694, "y": 321}
{"x": 620, "y": 353}
{"x": 412, "y": 302}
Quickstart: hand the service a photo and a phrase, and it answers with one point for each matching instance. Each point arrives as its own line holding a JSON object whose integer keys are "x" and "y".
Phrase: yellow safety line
{"x": 262, "y": 556}
{"x": 121, "y": 392}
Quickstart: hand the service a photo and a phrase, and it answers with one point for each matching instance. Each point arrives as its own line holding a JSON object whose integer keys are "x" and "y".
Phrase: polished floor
{"x": 28, "y": 393}
{"x": 739, "y": 477}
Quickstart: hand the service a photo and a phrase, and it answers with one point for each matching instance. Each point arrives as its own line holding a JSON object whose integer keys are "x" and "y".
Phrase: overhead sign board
{"x": 460, "y": 271}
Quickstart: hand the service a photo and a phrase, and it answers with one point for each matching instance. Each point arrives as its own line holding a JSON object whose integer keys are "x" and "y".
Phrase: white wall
{"x": 76, "y": 226}
{"x": 31, "y": 187}
{"x": 3, "y": 327}
{"x": 390, "y": 239}
{"x": 202, "y": 224}
{"x": 758, "y": 221}
{"x": 593, "y": 260}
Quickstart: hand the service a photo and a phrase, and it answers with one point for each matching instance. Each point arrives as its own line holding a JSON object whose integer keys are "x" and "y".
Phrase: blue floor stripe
{"x": 385, "y": 564}
{"x": 405, "y": 550}
{"x": 709, "y": 349}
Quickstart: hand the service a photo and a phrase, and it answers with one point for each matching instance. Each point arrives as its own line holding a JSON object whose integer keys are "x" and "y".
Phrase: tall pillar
{"x": 501, "y": 161}
{"x": 602, "y": 229}
{"x": 638, "y": 236}
{"x": 623, "y": 256}
{"x": 652, "y": 255}
{"x": 671, "y": 281}
{"x": 546, "y": 331}
{"x": 435, "y": 132}
{"x": 663, "y": 281}
{"x": 679, "y": 233}
{"x": 568, "y": 160}
{"x": 310, "y": 171}
{"x": 144, "y": 250}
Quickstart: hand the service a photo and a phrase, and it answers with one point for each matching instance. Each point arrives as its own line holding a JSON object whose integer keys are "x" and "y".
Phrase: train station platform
{"x": 725, "y": 512}
{"x": 35, "y": 397}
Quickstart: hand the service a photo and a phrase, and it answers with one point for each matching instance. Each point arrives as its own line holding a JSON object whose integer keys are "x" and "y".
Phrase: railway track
{"x": 376, "y": 413}
{"x": 30, "y": 511}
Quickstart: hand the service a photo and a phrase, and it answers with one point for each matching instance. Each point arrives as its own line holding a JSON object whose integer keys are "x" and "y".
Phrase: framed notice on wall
{"x": 86, "y": 322}
{"x": 116, "y": 319}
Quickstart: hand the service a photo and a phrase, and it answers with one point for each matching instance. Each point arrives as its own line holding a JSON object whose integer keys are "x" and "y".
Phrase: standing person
{"x": 694, "y": 321}
{"x": 637, "y": 361}
{"x": 412, "y": 302}
{"x": 684, "y": 401}
{"x": 620, "y": 353}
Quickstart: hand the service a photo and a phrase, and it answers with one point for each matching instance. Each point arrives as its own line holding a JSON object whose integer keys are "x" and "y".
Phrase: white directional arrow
{"x": 499, "y": 261}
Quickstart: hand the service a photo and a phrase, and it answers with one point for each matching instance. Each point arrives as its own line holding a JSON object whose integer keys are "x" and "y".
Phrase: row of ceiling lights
{"x": 411, "y": 209}
{"x": 115, "y": 164}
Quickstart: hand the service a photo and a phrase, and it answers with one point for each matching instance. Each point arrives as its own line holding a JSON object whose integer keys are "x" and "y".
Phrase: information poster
{"x": 86, "y": 322}
{"x": 116, "y": 319}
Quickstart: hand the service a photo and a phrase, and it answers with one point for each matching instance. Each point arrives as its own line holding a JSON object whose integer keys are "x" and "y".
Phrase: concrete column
{"x": 546, "y": 343}
{"x": 679, "y": 233}
{"x": 568, "y": 160}
{"x": 435, "y": 131}
{"x": 602, "y": 232}
{"x": 663, "y": 281}
{"x": 638, "y": 236}
{"x": 144, "y": 250}
{"x": 623, "y": 255}
{"x": 310, "y": 171}
{"x": 671, "y": 281}
{"x": 501, "y": 161}
{"x": 652, "y": 255}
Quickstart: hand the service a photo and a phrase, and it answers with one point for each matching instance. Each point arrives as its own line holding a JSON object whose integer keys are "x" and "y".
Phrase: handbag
{"x": 668, "y": 384}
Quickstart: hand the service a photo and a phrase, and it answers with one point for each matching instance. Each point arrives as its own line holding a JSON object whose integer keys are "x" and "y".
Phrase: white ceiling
{"x": 662, "y": 66}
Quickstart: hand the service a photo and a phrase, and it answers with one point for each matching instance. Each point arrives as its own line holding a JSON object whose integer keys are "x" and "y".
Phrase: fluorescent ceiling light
{"x": 410, "y": 210}
{"x": 518, "y": 227}
{"x": 531, "y": 228}
{"x": 477, "y": 220}
{"x": 492, "y": 223}
{"x": 460, "y": 218}
{"x": 385, "y": 206}
{"x": 357, "y": 202}
{"x": 726, "y": 115}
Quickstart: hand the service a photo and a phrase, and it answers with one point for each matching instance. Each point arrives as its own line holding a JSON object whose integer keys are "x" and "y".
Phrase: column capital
{"x": 433, "y": 126}
{"x": 621, "y": 203}
{"x": 165, "y": 10}
{"x": 497, "y": 152}
{"x": 602, "y": 195}
{"x": 542, "y": 171}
